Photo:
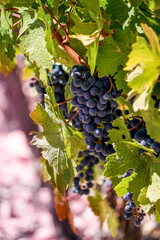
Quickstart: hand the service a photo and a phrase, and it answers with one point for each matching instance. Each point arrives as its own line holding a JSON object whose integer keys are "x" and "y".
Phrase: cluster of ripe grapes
{"x": 83, "y": 181}
{"x": 139, "y": 133}
{"x": 94, "y": 99}
{"x": 132, "y": 211}
{"x": 59, "y": 78}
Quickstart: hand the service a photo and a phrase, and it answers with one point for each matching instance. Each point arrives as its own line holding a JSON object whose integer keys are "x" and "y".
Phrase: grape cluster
{"x": 83, "y": 181}
{"x": 139, "y": 133}
{"x": 59, "y": 79}
{"x": 132, "y": 211}
{"x": 94, "y": 99}
{"x": 41, "y": 90}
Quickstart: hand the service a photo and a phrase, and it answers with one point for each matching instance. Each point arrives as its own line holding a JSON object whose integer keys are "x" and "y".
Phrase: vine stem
{"x": 135, "y": 126}
{"x": 72, "y": 118}
{"x": 64, "y": 45}
{"x": 61, "y": 26}
{"x": 10, "y": 9}
{"x": 65, "y": 101}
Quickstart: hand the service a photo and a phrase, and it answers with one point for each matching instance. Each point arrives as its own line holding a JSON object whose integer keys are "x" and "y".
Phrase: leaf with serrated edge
{"x": 35, "y": 48}
{"x": 92, "y": 55}
{"x": 113, "y": 52}
{"x": 129, "y": 159}
{"x": 52, "y": 143}
{"x": 116, "y": 134}
{"x": 148, "y": 60}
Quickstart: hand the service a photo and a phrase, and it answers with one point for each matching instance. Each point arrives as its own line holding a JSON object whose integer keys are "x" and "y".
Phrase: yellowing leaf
{"x": 86, "y": 39}
{"x": 144, "y": 64}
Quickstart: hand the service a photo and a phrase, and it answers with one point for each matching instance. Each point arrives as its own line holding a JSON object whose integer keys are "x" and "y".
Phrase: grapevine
{"x": 95, "y": 65}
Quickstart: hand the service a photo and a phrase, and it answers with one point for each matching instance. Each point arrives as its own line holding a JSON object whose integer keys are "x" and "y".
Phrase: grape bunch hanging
{"x": 94, "y": 109}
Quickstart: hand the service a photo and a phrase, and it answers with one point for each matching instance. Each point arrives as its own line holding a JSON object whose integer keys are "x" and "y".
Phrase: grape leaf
{"x": 130, "y": 159}
{"x": 92, "y": 6}
{"x": 136, "y": 3}
{"x": 157, "y": 211}
{"x": 4, "y": 19}
{"x": 116, "y": 134}
{"x": 62, "y": 57}
{"x": 61, "y": 181}
{"x": 145, "y": 203}
{"x": 74, "y": 144}
{"x": 153, "y": 191}
{"x": 86, "y": 32}
{"x": 100, "y": 208}
{"x": 35, "y": 47}
{"x": 59, "y": 147}
{"x": 120, "y": 81}
{"x": 7, "y": 49}
{"x": 118, "y": 10}
{"x": 28, "y": 17}
{"x": 148, "y": 58}
{"x": 52, "y": 143}
{"x": 92, "y": 55}
{"x": 68, "y": 94}
{"x": 21, "y": 3}
{"x": 103, "y": 3}
{"x": 54, "y": 4}
{"x": 113, "y": 52}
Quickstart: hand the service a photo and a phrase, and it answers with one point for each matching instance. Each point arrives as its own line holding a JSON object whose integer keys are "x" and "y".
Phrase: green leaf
{"x": 4, "y": 21}
{"x": 136, "y": 3}
{"x": 100, "y": 208}
{"x": 148, "y": 60}
{"x": 54, "y": 4}
{"x": 49, "y": 140}
{"x": 157, "y": 212}
{"x": 129, "y": 159}
{"x": 68, "y": 94}
{"x": 62, "y": 57}
{"x": 7, "y": 49}
{"x": 48, "y": 38}
{"x": 22, "y": 3}
{"x": 35, "y": 47}
{"x": 92, "y": 55}
{"x": 116, "y": 134}
{"x": 74, "y": 144}
{"x": 28, "y": 17}
{"x": 103, "y": 3}
{"x": 153, "y": 191}
{"x": 113, "y": 52}
{"x": 61, "y": 181}
{"x": 120, "y": 81}
{"x": 118, "y": 10}
{"x": 6, "y": 65}
{"x": 94, "y": 10}
{"x": 145, "y": 203}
